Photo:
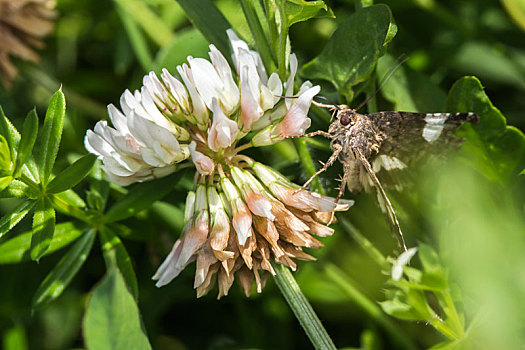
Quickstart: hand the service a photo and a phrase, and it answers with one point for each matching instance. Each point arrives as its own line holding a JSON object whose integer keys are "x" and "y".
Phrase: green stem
{"x": 283, "y": 36}
{"x": 302, "y": 309}
{"x": 371, "y": 308}
{"x": 258, "y": 34}
{"x": 367, "y": 246}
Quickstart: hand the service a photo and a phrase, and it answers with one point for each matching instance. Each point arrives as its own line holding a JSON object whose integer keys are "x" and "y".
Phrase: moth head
{"x": 346, "y": 116}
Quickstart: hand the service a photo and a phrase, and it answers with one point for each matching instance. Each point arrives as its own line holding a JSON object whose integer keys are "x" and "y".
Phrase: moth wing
{"x": 414, "y": 138}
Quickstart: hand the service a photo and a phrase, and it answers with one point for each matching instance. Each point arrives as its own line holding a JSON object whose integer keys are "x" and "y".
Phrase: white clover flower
{"x": 402, "y": 261}
{"x": 241, "y": 213}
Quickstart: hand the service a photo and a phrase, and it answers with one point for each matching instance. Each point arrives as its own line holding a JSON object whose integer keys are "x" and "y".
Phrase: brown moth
{"x": 367, "y": 143}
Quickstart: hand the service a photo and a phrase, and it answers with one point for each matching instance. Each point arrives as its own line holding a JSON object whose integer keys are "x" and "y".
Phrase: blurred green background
{"x": 476, "y": 224}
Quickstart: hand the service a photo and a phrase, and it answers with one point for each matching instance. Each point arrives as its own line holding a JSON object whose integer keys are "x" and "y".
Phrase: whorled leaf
{"x": 72, "y": 175}
{"x": 43, "y": 228}
{"x": 27, "y": 140}
{"x": 112, "y": 319}
{"x": 17, "y": 249}
{"x": 350, "y": 55}
{"x": 61, "y": 275}
{"x": 49, "y": 140}
{"x": 8, "y": 221}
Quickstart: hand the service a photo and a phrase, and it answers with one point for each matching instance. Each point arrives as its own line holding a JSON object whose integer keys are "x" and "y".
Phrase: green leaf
{"x": 301, "y": 10}
{"x": 14, "y": 338}
{"x": 62, "y": 274}
{"x": 10, "y": 133}
{"x": 398, "y": 309}
{"x": 409, "y": 90}
{"x": 72, "y": 175}
{"x": 496, "y": 150}
{"x": 516, "y": 10}
{"x": 140, "y": 197}
{"x": 71, "y": 198}
{"x": 112, "y": 319}
{"x": 428, "y": 257}
{"x": 43, "y": 228}
{"x": 115, "y": 254}
{"x": 27, "y": 140}
{"x": 10, "y": 220}
{"x": 351, "y": 53}
{"x": 176, "y": 52}
{"x": 49, "y": 140}
{"x": 6, "y": 163}
{"x": 17, "y": 249}
{"x": 17, "y": 189}
{"x": 209, "y": 21}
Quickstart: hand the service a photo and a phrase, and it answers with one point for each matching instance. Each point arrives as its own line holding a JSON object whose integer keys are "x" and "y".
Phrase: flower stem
{"x": 302, "y": 309}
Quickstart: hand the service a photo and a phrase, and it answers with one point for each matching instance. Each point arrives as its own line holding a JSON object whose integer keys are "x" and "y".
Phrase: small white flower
{"x": 223, "y": 130}
{"x": 203, "y": 164}
{"x": 402, "y": 260}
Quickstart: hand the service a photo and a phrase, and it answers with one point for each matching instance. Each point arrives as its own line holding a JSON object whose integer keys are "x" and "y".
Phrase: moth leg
{"x": 329, "y": 162}
{"x": 341, "y": 189}
{"x": 384, "y": 202}
{"x": 314, "y": 133}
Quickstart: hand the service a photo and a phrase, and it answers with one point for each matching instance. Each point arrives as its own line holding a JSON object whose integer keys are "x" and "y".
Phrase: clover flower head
{"x": 241, "y": 214}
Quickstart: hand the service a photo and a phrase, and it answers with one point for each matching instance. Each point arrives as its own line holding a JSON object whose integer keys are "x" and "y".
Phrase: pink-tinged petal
{"x": 205, "y": 259}
{"x": 289, "y": 82}
{"x": 167, "y": 271}
{"x": 223, "y": 130}
{"x": 296, "y": 120}
{"x": 259, "y": 205}
{"x": 251, "y": 111}
{"x": 241, "y": 221}
{"x": 204, "y": 164}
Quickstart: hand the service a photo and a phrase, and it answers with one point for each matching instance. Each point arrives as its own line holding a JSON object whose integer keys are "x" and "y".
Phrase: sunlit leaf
{"x": 10, "y": 220}
{"x": 16, "y": 249}
{"x": 115, "y": 254}
{"x": 112, "y": 319}
{"x": 17, "y": 189}
{"x": 72, "y": 175}
{"x": 6, "y": 163}
{"x": 301, "y": 10}
{"x": 49, "y": 140}
{"x": 43, "y": 228}
{"x": 351, "y": 53}
{"x": 62, "y": 274}
{"x": 516, "y": 9}
{"x": 497, "y": 150}
{"x": 27, "y": 140}
{"x": 9, "y": 132}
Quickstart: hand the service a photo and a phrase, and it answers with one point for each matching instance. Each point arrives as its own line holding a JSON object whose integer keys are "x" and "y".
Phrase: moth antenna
{"x": 400, "y": 60}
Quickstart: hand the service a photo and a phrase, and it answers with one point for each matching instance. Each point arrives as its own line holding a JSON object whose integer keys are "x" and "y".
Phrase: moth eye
{"x": 345, "y": 119}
